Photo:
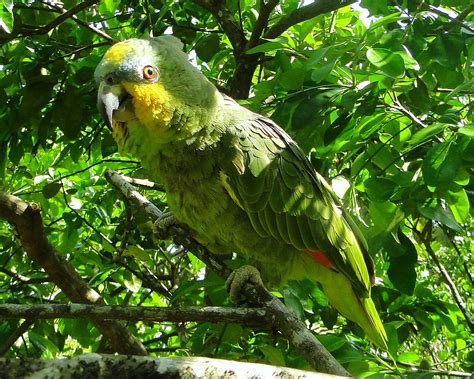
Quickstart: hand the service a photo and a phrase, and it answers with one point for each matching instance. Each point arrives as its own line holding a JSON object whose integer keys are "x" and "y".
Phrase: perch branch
{"x": 286, "y": 322}
{"x": 249, "y": 316}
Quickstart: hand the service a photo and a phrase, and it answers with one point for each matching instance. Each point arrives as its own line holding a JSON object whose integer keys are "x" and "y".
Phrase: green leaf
{"x": 51, "y": 189}
{"x": 132, "y": 282}
{"x": 320, "y": 73}
{"x": 459, "y": 204}
{"x": 293, "y": 303}
{"x": 207, "y": 47}
{"x": 266, "y": 47}
{"x": 68, "y": 240}
{"x": 376, "y": 7}
{"x": 426, "y": 134}
{"x": 43, "y": 343}
{"x": 409, "y": 61}
{"x": 331, "y": 343}
{"x": 467, "y": 130}
{"x": 402, "y": 274}
{"x": 441, "y": 164}
{"x": 137, "y": 252}
{"x": 390, "y": 63}
{"x": 434, "y": 211}
{"x": 379, "y": 189}
{"x": 408, "y": 356}
{"x": 6, "y": 16}
{"x": 273, "y": 355}
{"x": 292, "y": 79}
{"x": 467, "y": 85}
{"x": 385, "y": 215}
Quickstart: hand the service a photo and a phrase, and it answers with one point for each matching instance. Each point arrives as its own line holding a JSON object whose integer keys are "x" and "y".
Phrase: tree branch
{"x": 60, "y": 19}
{"x": 261, "y": 23}
{"x": 304, "y": 13}
{"x": 286, "y": 322}
{"x": 111, "y": 366}
{"x": 29, "y": 225}
{"x": 250, "y": 316}
{"x": 84, "y": 24}
{"x": 69, "y": 14}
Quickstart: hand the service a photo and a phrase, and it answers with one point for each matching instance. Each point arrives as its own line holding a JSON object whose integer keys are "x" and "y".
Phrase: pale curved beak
{"x": 109, "y": 98}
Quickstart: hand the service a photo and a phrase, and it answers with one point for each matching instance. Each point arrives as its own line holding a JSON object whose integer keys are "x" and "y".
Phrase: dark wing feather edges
{"x": 285, "y": 198}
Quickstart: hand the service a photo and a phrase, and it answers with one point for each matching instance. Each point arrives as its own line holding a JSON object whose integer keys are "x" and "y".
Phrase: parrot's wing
{"x": 269, "y": 176}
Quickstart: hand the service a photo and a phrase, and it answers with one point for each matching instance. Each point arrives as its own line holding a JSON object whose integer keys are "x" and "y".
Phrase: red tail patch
{"x": 320, "y": 257}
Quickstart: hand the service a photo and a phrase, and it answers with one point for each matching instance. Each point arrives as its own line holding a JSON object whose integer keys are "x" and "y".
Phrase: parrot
{"x": 235, "y": 178}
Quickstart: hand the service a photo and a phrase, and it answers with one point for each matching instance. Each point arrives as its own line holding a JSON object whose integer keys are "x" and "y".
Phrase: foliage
{"x": 380, "y": 98}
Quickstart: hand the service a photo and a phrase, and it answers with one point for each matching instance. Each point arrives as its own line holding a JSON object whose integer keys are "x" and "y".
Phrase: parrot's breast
{"x": 198, "y": 197}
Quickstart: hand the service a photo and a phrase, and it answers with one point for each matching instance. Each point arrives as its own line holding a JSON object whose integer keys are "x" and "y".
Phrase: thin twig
{"x": 17, "y": 333}
{"x": 29, "y": 31}
{"x": 426, "y": 238}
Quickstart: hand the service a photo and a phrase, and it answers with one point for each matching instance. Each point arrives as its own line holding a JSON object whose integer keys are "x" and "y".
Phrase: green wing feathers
{"x": 285, "y": 198}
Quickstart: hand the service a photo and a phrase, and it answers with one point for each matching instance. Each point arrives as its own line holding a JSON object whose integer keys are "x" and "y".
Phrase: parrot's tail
{"x": 376, "y": 331}
{"x": 361, "y": 310}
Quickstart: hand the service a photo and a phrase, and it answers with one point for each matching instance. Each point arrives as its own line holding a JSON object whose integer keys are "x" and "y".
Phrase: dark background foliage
{"x": 379, "y": 95}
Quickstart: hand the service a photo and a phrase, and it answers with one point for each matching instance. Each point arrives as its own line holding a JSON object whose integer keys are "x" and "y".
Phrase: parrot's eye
{"x": 150, "y": 73}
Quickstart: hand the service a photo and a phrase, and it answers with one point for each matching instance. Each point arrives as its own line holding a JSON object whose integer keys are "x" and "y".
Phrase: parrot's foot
{"x": 162, "y": 225}
{"x": 238, "y": 279}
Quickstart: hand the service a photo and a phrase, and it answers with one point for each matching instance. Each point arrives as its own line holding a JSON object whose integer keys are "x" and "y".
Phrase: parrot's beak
{"x": 109, "y": 99}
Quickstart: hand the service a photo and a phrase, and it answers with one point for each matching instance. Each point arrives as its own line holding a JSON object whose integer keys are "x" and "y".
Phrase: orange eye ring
{"x": 150, "y": 73}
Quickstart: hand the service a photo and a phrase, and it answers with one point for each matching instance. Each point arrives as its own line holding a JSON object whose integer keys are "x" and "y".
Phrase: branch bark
{"x": 29, "y": 225}
{"x": 284, "y": 320}
{"x": 249, "y": 316}
{"x": 111, "y": 366}
{"x": 304, "y": 13}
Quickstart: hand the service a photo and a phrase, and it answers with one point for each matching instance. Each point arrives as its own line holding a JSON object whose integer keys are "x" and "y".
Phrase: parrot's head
{"x": 149, "y": 91}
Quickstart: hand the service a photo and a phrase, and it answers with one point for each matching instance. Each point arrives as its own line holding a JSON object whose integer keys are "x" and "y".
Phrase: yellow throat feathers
{"x": 152, "y": 103}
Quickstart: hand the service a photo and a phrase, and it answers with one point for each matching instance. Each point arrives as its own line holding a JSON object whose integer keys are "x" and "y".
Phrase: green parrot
{"x": 234, "y": 177}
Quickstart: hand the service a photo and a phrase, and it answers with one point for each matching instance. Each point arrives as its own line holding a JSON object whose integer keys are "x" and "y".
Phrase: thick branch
{"x": 262, "y": 22}
{"x": 29, "y": 225}
{"x": 112, "y": 366}
{"x": 251, "y": 316}
{"x": 286, "y": 322}
{"x": 304, "y": 13}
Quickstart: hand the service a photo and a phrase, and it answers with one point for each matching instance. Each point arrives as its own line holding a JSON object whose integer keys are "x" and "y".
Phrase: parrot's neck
{"x": 187, "y": 146}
